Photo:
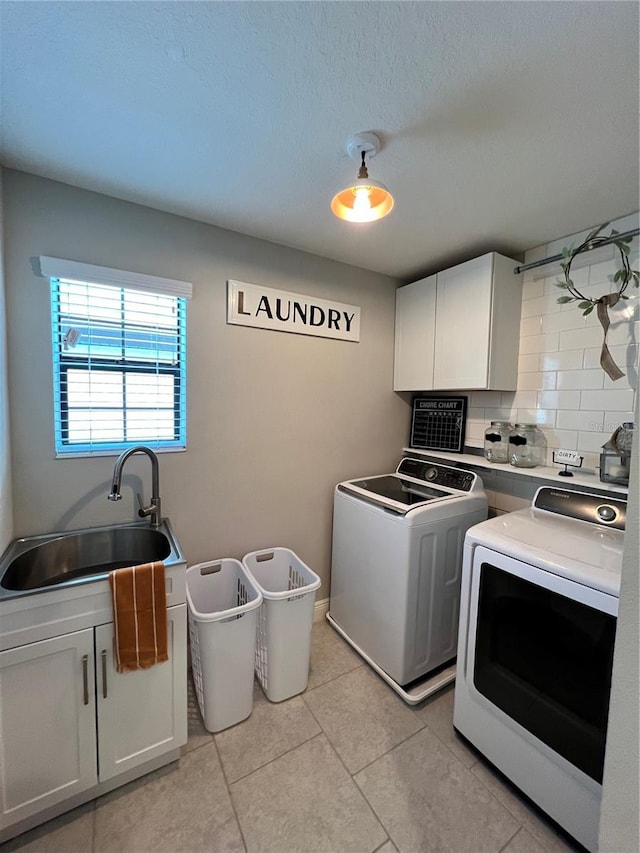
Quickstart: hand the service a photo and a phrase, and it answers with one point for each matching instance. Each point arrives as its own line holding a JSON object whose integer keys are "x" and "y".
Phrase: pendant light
{"x": 364, "y": 200}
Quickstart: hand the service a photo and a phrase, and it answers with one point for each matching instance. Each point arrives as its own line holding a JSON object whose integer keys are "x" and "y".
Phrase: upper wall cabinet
{"x": 460, "y": 329}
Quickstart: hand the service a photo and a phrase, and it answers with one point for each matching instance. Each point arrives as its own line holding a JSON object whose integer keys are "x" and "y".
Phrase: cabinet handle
{"x": 104, "y": 673}
{"x": 85, "y": 678}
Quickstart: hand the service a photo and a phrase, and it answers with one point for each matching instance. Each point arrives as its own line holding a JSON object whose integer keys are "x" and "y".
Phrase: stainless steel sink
{"x": 38, "y": 562}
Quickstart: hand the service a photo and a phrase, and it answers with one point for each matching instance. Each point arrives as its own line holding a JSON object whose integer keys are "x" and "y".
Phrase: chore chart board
{"x": 438, "y": 423}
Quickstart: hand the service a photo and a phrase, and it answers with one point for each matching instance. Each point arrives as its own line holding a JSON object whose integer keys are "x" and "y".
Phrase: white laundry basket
{"x": 223, "y": 605}
{"x": 283, "y": 641}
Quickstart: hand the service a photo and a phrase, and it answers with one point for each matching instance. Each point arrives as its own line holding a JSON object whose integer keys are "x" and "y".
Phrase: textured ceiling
{"x": 504, "y": 125}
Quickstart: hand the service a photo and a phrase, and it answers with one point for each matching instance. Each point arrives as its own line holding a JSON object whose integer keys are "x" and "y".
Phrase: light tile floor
{"x": 346, "y": 767}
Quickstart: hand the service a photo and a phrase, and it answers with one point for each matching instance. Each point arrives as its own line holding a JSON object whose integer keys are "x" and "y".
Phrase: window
{"x": 119, "y": 360}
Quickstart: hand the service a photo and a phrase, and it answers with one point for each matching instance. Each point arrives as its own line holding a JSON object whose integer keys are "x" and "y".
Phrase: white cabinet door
{"x": 47, "y": 724}
{"x": 141, "y": 714}
{"x": 415, "y": 328}
{"x": 463, "y": 327}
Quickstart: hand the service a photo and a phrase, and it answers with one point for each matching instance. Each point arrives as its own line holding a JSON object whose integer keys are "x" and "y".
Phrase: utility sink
{"x": 79, "y": 556}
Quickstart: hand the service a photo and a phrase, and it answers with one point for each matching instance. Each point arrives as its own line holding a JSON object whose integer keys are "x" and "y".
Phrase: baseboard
{"x": 320, "y": 610}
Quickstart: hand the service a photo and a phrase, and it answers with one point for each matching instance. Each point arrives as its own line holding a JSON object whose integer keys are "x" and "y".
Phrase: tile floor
{"x": 346, "y": 767}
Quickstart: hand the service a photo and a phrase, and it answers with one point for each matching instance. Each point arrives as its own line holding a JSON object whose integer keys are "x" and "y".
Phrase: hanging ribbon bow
{"x": 606, "y": 359}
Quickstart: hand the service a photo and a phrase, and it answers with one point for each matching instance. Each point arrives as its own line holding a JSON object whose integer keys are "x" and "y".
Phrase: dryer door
{"x": 543, "y": 655}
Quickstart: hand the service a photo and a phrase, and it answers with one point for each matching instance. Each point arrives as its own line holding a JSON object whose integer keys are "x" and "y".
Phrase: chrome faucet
{"x": 153, "y": 510}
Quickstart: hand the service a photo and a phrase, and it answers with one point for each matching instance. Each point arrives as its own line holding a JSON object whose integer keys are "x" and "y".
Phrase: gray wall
{"x": 274, "y": 419}
{"x": 6, "y": 512}
{"x": 619, "y": 820}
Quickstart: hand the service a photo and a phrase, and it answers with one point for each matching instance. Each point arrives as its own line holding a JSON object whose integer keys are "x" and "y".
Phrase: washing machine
{"x": 396, "y": 568}
{"x": 539, "y": 605}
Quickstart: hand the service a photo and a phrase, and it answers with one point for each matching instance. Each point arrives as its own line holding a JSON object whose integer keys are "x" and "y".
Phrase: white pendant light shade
{"x": 364, "y": 200}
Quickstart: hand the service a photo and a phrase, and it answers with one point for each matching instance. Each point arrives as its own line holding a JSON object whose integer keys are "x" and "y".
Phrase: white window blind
{"x": 119, "y": 359}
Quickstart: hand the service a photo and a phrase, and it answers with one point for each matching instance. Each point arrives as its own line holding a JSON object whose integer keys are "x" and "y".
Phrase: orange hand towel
{"x": 139, "y": 616}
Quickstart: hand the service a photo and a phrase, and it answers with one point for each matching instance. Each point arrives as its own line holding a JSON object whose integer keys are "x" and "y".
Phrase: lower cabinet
{"x": 69, "y": 721}
{"x": 47, "y": 724}
{"x": 141, "y": 714}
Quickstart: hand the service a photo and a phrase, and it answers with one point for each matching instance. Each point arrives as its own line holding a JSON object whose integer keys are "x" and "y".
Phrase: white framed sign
{"x": 267, "y": 308}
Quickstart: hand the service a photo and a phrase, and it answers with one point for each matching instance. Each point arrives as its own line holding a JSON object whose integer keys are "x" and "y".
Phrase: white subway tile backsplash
{"x": 500, "y": 415}
{"x": 510, "y": 503}
{"x": 532, "y": 288}
{"x": 520, "y": 400}
{"x": 562, "y": 360}
{"x": 602, "y": 272}
{"x": 546, "y": 417}
{"x": 475, "y": 430}
{"x": 529, "y": 363}
{"x": 608, "y": 401}
{"x": 537, "y": 381}
{"x": 542, "y": 305}
{"x": 621, "y": 334}
{"x": 563, "y": 321}
{"x": 591, "y": 442}
{"x": 630, "y": 378}
{"x": 561, "y": 385}
{"x": 587, "y": 421}
{"x": 590, "y": 461}
{"x": 482, "y": 399}
{"x": 625, "y": 356}
{"x": 542, "y": 343}
{"x": 551, "y": 282}
{"x": 559, "y": 399}
{"x": 542, "y": 417}
{"x": 612, "y": 420}
{"x": 578, "y": 379}
{"x": 530, "y": 326}
{"x": 579, "y": 277}
{"x": 589, "y": 336}
{"x": 561, "y": 438}
{"x": 532, "y": 308}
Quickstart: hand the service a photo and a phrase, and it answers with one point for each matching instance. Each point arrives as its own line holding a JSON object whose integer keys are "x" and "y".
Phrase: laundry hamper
{"x": 222, "y": 604}
{"x": 283, "y": 642}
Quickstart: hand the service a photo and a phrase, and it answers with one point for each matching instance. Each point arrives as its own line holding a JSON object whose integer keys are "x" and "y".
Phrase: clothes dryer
{"x": 539, "y": 605}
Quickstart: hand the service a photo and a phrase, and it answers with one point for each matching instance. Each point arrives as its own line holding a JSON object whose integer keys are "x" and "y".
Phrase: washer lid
{"x": 395, "y": 493}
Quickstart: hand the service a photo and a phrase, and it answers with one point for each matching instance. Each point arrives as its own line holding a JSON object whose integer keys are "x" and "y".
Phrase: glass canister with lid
{"x": 496, "y": 441}
{"x": 527, "y": 446}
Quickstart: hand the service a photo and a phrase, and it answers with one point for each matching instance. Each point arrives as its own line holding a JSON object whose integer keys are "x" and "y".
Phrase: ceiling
{"x": 504, "y": 124}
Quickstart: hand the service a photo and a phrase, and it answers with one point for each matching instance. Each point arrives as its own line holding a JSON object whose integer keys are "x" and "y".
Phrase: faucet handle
{"x": 142, "y": 510}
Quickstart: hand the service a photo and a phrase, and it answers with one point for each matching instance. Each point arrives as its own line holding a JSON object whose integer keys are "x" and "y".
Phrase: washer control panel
{"x": 596, "y": 509}
{"x": 437, "y": 475}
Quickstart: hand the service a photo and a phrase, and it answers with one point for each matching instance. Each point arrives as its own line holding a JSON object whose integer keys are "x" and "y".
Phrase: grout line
{"x": 332, "y": 679}
{"x": 226, "y": 782}
{"x": 362, "y": 794}
{"x": 275, "y": 758}
{"x": 388, "y": 840}
{"x": 506, "y": 844}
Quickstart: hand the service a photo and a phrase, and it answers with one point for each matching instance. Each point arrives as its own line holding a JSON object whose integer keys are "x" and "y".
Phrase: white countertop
{"x": 589, "y": 479}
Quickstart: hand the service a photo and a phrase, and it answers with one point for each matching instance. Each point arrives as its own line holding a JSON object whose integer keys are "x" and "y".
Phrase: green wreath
{"x": 624, "y": 275}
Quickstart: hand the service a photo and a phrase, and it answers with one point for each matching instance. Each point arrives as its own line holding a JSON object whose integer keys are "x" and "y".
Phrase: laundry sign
{"x": 266, "y": 308}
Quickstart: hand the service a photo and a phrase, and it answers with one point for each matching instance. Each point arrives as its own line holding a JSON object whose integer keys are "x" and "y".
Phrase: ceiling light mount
{"x": 363, "y": 144}
{"x": 364, "y": 200}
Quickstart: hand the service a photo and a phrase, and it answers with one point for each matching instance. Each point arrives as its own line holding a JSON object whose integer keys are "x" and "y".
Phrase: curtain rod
{"x": 633, "y": 233}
